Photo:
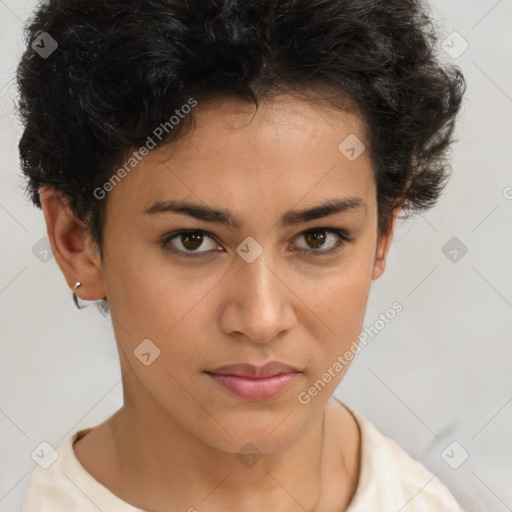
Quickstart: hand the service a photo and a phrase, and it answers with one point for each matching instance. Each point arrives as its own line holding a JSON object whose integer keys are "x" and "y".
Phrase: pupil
{"x": 194, "y": 238}
{"x": 317, "y": 239}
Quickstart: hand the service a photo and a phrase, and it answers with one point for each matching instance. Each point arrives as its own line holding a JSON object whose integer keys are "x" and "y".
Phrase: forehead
{"x": 285, "y": 151}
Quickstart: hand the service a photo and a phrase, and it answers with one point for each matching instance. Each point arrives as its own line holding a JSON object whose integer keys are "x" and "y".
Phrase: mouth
{"x": 255, "y": 383}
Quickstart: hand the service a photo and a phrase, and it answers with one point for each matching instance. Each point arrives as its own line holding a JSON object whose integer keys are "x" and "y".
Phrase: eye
{"x": 319, "y": 237}
{"x": 187, "y": 243}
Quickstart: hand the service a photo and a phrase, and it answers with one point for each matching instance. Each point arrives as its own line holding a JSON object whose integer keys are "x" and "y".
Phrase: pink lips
{"x": 255, "y": 383}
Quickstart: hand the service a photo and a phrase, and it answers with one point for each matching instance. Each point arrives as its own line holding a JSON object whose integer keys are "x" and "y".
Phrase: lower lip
{"x": 252, "y": 388}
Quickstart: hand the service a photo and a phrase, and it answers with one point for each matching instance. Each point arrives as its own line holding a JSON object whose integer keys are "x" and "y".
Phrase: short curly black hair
{"x": 123, "y": 68}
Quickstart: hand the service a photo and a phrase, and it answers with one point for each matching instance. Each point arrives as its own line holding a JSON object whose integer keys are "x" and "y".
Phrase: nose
{"x": 260, "y": 304}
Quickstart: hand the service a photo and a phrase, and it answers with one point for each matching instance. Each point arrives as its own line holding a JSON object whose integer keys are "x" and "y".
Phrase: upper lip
{"x": 248, "y": 370}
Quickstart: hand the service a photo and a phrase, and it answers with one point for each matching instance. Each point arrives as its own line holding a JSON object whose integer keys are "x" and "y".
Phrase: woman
{"x": 226, "y": 177}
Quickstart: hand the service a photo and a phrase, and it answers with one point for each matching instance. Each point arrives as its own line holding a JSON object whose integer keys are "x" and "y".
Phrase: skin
{"x": 176, "y": 438}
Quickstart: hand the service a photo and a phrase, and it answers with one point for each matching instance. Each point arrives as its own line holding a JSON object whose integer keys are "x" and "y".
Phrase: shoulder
{"x": 61, "y": 484}
{"x": 391, "y": 479}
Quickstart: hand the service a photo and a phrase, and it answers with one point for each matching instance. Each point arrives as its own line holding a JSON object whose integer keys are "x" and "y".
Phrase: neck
{"x": 157, "y": 454}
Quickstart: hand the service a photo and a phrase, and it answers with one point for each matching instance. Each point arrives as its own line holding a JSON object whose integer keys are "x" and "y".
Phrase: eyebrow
{"x": 230, "y": 219}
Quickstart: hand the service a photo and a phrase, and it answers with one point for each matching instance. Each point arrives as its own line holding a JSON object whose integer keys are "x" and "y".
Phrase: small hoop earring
{"x": 77, "y": 284}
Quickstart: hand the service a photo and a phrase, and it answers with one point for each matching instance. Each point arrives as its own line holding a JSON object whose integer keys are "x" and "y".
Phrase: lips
{"x": 255, "y": 382}
{"x": 248, "y": 370}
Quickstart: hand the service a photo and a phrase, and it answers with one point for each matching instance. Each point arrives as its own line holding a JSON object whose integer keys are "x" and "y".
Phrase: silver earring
{"x": 77, "y": 284}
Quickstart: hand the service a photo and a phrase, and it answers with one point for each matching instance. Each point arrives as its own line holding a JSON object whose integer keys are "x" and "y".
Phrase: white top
{"x": 388, "y": 480}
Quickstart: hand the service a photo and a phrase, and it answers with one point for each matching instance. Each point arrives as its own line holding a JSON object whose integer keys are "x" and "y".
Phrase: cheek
{"x": 347, "y": 302}
{"x": 340, "y": 298}
{"x": 154, "y": 298}
{"x": 146, "y": 290}
{"x": 341, "y": 307}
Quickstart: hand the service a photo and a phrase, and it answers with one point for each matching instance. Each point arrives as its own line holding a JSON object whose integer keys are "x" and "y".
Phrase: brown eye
{"x": 332, "y": 239}
{"x": 192, "y": 241}
{"x": 315, "y": 238}
{"x": 187, "y": 243}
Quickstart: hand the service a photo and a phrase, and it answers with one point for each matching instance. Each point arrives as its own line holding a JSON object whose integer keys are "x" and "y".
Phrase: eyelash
{"x": 343, "y": 236}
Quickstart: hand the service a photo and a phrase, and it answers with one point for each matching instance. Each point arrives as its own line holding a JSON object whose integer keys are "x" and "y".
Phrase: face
{"x": 271, "y": 285}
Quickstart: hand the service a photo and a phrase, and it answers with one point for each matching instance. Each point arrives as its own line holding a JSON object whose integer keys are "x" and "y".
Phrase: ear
{"x": 72, "y": 246}
{"x": 383, "y": 245}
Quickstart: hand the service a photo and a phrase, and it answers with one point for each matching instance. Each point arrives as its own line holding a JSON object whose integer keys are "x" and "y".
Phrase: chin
{"x": 265, "y": 435}
{"x": 243, "y": 443}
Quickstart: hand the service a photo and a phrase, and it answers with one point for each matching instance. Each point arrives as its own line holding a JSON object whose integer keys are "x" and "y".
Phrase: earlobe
{"x": 72, "y": 247}
{"x": 383, "y": 246}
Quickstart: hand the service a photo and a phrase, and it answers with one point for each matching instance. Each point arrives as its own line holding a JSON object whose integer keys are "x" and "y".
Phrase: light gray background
{"x": 438, "y": 373}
